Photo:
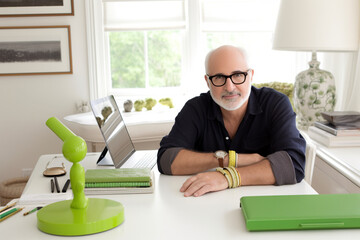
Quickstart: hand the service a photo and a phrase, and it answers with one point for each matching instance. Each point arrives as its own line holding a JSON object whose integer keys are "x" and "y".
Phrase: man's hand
{"x": 204, "y": 182}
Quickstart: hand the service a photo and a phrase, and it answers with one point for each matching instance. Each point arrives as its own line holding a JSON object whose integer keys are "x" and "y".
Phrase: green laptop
{"x": 295, "y": 212}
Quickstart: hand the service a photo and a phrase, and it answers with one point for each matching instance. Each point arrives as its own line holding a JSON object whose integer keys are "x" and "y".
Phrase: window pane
{"x": 127, "y": 59}
{"x": 164, "y": 58}
{"x": 143, "y": 59}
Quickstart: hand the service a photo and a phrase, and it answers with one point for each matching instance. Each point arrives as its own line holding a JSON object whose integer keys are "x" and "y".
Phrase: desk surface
{"x": 345, "y": 159}
{"x": 166, "y": 214}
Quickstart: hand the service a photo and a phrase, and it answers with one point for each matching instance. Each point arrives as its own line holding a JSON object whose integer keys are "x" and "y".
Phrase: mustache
{"x": 226, "y": 93}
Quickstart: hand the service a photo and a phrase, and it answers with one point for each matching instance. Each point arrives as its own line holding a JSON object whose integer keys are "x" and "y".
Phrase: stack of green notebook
{"x": 117, "y": 181}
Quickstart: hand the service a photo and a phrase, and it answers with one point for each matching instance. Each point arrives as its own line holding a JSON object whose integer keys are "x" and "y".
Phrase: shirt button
{"x": 227, "y": 138}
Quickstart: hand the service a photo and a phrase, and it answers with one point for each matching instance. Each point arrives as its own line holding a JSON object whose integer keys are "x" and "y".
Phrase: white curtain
{"x": 346, "y": 70}
{"x": 143, "y": 14}
{"x": 354, "y": 101}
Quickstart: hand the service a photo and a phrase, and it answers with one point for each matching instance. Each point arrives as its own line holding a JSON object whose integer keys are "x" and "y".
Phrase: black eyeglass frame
{"x": 229, "y": 76}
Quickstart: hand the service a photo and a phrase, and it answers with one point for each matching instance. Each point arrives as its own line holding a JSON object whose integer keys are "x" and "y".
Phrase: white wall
{"x": 26, "y": 102}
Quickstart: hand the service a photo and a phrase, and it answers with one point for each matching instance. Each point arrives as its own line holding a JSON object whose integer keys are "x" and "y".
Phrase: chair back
{"x": 310, "y": 155}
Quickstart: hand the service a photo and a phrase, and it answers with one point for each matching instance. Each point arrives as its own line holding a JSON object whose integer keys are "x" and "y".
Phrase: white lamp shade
{"x": 318, "y": 25}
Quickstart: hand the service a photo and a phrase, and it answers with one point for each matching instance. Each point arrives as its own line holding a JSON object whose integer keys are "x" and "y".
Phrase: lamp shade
{"x": 318, "y": 25}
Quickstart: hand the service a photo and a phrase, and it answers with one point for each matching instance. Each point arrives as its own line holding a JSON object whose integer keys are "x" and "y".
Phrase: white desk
{"x": 337, "y": 170}
{"x": 166, "y": 214}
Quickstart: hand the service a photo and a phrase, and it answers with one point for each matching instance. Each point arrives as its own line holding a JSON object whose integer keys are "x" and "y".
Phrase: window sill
{"x": 142, "y": 126}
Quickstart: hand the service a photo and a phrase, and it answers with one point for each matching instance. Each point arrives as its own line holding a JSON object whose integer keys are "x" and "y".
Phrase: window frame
{"x": 192, "y": 64}
{"x": 99, "y": 59}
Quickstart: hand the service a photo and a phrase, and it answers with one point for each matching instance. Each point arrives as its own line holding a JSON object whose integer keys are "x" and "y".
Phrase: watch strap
{"x": 221, "y": 162}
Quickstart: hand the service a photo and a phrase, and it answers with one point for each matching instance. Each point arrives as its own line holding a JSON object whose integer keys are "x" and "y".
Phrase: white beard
{"x": 231, "y": 105}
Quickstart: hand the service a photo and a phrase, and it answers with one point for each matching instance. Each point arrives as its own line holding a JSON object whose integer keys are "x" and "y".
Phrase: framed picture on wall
{"x": 35, "y": 50}
{"x": 28, "y": 8}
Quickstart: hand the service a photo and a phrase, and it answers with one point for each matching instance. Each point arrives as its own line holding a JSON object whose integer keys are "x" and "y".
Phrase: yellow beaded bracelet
{"x": 232, "y": 158}
{"x": 232, "y": 183}
{"x": 239, "y": 177}
{"x": 226, "y": 174}
{"x": 235, "y": 176}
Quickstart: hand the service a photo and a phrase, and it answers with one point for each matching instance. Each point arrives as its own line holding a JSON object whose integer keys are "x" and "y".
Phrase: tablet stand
{"x": 81, "y": 215}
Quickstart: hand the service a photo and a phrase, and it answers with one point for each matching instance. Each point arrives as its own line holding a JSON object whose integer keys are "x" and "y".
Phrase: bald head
{"x": 225, "y": 55}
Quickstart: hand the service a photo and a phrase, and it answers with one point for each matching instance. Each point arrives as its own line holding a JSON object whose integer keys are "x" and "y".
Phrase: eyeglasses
{"x": 236, "y": 78}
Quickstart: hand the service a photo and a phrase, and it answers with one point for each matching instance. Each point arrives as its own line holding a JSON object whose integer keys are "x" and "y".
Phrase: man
{"x": 256, "y": 124}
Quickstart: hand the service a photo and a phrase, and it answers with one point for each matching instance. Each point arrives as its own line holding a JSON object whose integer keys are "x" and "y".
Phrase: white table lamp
{"x": 316, "y": 25}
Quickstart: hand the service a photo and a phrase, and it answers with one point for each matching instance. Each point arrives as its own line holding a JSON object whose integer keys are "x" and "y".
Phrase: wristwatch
{"x": 220, "y": 155}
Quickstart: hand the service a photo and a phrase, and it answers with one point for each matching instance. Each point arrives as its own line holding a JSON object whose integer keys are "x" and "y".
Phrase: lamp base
{"x": 314, "y": 92}
{"x": 60, "y": 219}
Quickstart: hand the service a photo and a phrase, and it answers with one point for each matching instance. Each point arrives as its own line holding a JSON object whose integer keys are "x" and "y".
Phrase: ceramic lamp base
{"x": 314, "y": 92}
{"x": 60, "y": 219}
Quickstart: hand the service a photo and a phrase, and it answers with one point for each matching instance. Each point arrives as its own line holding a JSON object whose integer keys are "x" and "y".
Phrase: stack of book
{"x": 342, "y": 129}
{"x": 119, "y": 181}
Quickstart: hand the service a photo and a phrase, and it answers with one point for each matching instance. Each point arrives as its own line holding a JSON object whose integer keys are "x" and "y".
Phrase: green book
{"x": 118, "y": 175}
{"x": 117, "y": 184}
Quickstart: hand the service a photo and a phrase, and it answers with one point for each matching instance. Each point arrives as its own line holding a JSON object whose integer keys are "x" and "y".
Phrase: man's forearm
{"x": 259, "y": 173}
{"x": 248, "y": 159}
{"x": 207, "y": 160}
{"x": 189, "y": 162}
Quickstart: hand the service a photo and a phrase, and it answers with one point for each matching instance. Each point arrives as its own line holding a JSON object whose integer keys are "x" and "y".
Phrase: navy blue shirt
{"x": 267, "y": 127}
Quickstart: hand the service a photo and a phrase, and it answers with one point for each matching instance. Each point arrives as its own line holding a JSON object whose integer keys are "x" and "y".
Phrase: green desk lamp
{"x": 81, "y": 215}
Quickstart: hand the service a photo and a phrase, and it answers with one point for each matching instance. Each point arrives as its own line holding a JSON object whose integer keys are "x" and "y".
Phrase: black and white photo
{"x": 21, "y": 8}
{"x": 35, "y": 50}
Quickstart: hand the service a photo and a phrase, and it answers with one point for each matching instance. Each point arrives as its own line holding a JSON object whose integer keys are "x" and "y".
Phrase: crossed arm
{"x": 253, "y": 168}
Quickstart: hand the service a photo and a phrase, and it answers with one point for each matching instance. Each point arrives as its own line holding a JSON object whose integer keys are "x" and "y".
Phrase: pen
{"x": 8, "y": 206}
{"x": 52, "y": 185}
{"x": 66, "y": 185}
{"x": 33, "y": 210}
{"x": 57, "y": 185}
{"x": 9, "y": 213}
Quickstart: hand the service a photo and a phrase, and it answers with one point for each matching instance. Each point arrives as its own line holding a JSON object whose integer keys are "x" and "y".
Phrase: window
{"x": 145, "y": 59}
{"x": 157, "y": 47}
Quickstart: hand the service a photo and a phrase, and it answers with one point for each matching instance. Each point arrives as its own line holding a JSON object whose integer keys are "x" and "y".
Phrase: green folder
{"x": 291, "y": 212}
{"x": 118, "y": 175}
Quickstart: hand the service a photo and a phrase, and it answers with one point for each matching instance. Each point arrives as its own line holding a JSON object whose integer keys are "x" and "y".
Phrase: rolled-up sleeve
{"x": 166, "y": 159}
{"x": 282, "y": 167}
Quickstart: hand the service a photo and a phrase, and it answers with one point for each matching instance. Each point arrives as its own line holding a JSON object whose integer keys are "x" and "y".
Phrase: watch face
{"x": 220, "y": 154}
